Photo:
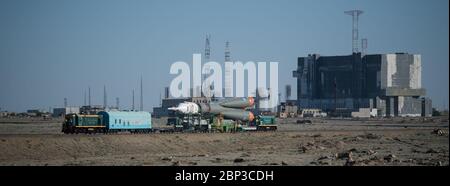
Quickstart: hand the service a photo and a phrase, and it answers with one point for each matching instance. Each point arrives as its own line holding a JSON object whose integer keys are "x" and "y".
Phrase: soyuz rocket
{"x": 229, "y": 108}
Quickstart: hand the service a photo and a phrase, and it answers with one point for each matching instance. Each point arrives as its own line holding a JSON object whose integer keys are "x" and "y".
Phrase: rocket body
{"x": 187, "y": 108}
{"x": 229, "y": 108}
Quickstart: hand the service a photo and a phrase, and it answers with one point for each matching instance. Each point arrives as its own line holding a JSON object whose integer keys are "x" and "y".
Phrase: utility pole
{"x": 104, "y": 97}
{"x": 207, "y": 67}
{"x": 141, "y": 106}
{"x": 132, "y": 105}
{"x": 89, "y": 96}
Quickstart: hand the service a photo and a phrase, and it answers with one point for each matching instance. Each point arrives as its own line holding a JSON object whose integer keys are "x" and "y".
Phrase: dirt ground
{"x": 325, "y": 142}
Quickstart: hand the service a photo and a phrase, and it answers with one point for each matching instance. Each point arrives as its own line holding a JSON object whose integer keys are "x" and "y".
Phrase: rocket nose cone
{"x": 251, "y": 116}
{"x": 251, "y": 101}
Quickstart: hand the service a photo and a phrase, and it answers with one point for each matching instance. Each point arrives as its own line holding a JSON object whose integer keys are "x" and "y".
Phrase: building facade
{"x": 391, "y": 83}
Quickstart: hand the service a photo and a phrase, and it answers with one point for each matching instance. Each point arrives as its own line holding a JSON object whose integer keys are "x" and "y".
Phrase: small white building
{"x": 313, "y": 113}
{"x": 362, "y": 113}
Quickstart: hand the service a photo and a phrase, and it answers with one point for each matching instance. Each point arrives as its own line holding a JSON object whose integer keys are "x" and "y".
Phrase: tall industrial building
{"x": 391, "y": 83}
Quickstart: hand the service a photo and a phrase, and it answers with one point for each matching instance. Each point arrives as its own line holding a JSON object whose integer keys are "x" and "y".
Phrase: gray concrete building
{"x": 391, "y": 83}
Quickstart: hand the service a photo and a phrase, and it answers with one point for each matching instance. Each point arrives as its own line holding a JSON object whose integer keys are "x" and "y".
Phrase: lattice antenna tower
{"x": 228, "y": 73}
{"x": 207, "y": 67}
{"x": 355, "y": 16}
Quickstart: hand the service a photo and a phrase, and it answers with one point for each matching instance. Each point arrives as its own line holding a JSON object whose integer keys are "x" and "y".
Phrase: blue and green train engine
{"x": 80, "y": 123}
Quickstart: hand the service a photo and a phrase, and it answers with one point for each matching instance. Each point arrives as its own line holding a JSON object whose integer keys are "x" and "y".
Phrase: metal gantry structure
{"x": 355, "y": 16}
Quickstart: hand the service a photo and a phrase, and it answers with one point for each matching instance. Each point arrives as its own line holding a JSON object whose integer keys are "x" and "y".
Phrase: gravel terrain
{"x": 324, "y": 142}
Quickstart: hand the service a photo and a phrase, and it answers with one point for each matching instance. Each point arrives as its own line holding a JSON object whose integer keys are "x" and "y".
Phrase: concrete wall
{"x": 401, "y": 71}
{"x": 409, "y": 106}
{"x": 416, "y": 72}
{"x": 305, "y": 75}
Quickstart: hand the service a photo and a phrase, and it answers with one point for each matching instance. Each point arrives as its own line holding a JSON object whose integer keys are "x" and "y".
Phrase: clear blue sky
{"x": 51, "y": 49}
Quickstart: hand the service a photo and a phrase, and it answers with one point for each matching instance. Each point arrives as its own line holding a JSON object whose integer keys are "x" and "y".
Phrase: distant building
{"x": 392, "y": 83}
{"x": 35, "y": 112}
{"x": 4, "y": 114}
{"x": 288, "y": 109}
{"x": 93, "y": 109}
{"x": 61, "y": 112}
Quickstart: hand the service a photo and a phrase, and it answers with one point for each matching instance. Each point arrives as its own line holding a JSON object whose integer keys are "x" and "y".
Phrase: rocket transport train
{"x": 229, "y": 108}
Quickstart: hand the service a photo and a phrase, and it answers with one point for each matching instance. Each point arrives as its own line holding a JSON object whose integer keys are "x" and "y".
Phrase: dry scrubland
{"x": 399, "y": 141}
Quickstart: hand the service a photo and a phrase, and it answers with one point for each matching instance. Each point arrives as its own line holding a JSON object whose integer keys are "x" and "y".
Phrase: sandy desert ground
{"x": 325, "y": 142}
